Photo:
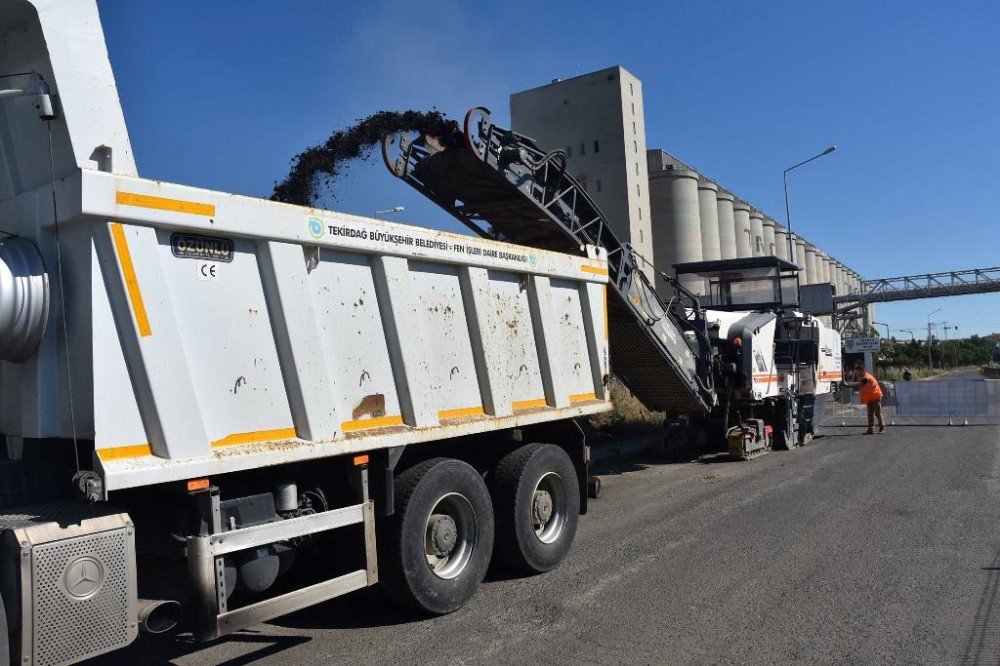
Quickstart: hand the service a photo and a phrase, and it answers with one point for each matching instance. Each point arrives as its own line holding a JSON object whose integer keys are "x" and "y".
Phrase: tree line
{"x": 974, "y": 350}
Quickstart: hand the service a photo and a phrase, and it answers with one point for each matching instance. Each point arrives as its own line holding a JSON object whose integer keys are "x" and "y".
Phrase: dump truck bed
{"x": 216, "y": 333}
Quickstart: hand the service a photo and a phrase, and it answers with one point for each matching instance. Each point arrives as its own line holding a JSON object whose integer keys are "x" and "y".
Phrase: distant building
{"x": 598, "y": 120}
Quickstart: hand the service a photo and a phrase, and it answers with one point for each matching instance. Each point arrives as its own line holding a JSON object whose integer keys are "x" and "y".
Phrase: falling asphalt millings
{"x": 315, "y": 169}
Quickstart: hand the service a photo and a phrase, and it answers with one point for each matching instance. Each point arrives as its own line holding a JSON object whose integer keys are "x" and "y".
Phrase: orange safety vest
{"x": 870, "y": 390}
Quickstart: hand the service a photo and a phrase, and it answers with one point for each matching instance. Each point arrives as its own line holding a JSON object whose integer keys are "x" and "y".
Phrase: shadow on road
{"x": 361, "y": 609}
{"x": 983, "y": 643}
{"x": 637, "y": 463}
{"x": 163, "y": 651}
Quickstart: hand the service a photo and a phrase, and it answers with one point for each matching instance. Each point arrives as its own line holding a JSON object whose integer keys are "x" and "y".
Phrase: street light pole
{"x": 788, "y": 212}
{"x": 930, "y": 340}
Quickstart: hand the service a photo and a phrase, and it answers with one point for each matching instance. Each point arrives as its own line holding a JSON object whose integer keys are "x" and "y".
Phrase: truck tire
{"x": 435, "y": 550}
{"x": 536, "y": 498}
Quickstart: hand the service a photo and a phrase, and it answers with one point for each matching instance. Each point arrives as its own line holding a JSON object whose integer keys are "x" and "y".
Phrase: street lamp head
{"x": 829, "y": 150}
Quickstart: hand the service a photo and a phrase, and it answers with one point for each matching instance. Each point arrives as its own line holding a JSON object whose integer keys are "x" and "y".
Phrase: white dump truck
{"x": 216, "y": 409}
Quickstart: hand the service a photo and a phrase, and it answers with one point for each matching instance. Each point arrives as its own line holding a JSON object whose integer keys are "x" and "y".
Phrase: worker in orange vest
{"x": 871, "y": 397}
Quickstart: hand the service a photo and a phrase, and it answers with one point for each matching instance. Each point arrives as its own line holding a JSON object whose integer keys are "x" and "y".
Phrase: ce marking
{"x": 208, "y": 270}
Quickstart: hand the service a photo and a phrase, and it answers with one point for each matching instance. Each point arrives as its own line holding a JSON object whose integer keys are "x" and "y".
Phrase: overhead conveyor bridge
{"x": 927, "y": 285}
{"x": 502, "y": 185}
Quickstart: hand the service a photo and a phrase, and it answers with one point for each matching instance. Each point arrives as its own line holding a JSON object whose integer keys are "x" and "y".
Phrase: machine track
{"x": 740, "y": 453}
{"x": 743, "y": 444}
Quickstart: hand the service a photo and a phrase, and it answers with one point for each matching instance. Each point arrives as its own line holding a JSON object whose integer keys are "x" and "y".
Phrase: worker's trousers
{"x": 875, "y": 412}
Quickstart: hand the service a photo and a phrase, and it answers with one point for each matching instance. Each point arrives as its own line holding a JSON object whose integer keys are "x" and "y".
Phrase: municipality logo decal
{"x": 316, "y": 227}
{"x": 532, "y": 258}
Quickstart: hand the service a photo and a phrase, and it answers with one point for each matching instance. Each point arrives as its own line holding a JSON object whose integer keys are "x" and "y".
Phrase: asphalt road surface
{"x": 853, "y": 549}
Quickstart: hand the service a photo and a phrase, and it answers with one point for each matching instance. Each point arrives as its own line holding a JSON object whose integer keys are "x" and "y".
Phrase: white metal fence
{"x": 942, "y": 402}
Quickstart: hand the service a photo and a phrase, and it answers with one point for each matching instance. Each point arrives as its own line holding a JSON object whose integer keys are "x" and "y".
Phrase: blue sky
{"x": 222, "y": 94}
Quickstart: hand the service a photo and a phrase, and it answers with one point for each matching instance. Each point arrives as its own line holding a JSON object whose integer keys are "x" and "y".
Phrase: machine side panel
{"x": 766, "y": 380}
{"x": 830, "y": 368}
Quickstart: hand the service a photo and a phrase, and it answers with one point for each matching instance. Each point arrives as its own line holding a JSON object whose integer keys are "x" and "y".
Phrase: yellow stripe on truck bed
{"x": 131, "y": 281}
{"x": 163, "y": 203}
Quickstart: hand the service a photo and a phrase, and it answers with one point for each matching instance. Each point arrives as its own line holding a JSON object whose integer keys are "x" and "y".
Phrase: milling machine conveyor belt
{"x": 501, "y": 185}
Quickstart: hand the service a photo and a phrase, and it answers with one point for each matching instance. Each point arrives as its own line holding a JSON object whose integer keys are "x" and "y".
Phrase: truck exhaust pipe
{"x": 158, "y": 616}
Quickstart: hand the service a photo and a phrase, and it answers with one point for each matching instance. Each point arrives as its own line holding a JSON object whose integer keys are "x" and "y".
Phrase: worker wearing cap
{"x": 871, "y": 397}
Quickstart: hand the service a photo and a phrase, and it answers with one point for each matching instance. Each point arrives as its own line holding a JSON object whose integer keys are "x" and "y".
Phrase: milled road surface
{"x": 853, "y": 549}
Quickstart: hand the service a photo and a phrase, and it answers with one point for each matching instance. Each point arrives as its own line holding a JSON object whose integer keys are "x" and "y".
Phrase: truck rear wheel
{"x": 435, "y": 550}
{"x": 536, "y": 497}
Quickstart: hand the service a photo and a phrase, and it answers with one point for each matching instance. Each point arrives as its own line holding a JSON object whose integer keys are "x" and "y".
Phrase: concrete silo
{"x": 757, "y": 233}
{"x": 708, "y": 213}
{"x": 781, "y": 242}
{"x": 727, "y": 225}
{"x": 823, "y": 267}
{"x": 800, "y": 257}
{"x": 810, "y": 264}
{"x": 741, "y": 218}
{"x": 770, "y": 238}
{"x": 676, "y": 222}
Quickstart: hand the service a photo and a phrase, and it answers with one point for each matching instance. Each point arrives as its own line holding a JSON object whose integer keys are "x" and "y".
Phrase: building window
{"x": 634, "y": 130}
{"x": 635, "y": 144}
{"x": 583, "y": 149}
{"x": 569, "y": 151}
{"x": 640, "y": 230}
{"x": 638, "y": 190}
{"x": 630, "y": 90}
{"x": 637, "y": 168}
{"x": 598, "y": 184}
{"x": 633, "y": 108}
{"x": 640, "y": 212}
{"x": 597, "y": 146}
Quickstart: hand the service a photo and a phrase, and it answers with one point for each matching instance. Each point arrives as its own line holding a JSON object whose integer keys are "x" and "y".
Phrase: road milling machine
{"x": 746, "y": 372}
{"x": 774, "y": 366}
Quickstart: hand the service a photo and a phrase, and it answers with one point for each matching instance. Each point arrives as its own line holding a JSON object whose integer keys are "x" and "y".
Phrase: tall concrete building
{"x": 598, "y": 120}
